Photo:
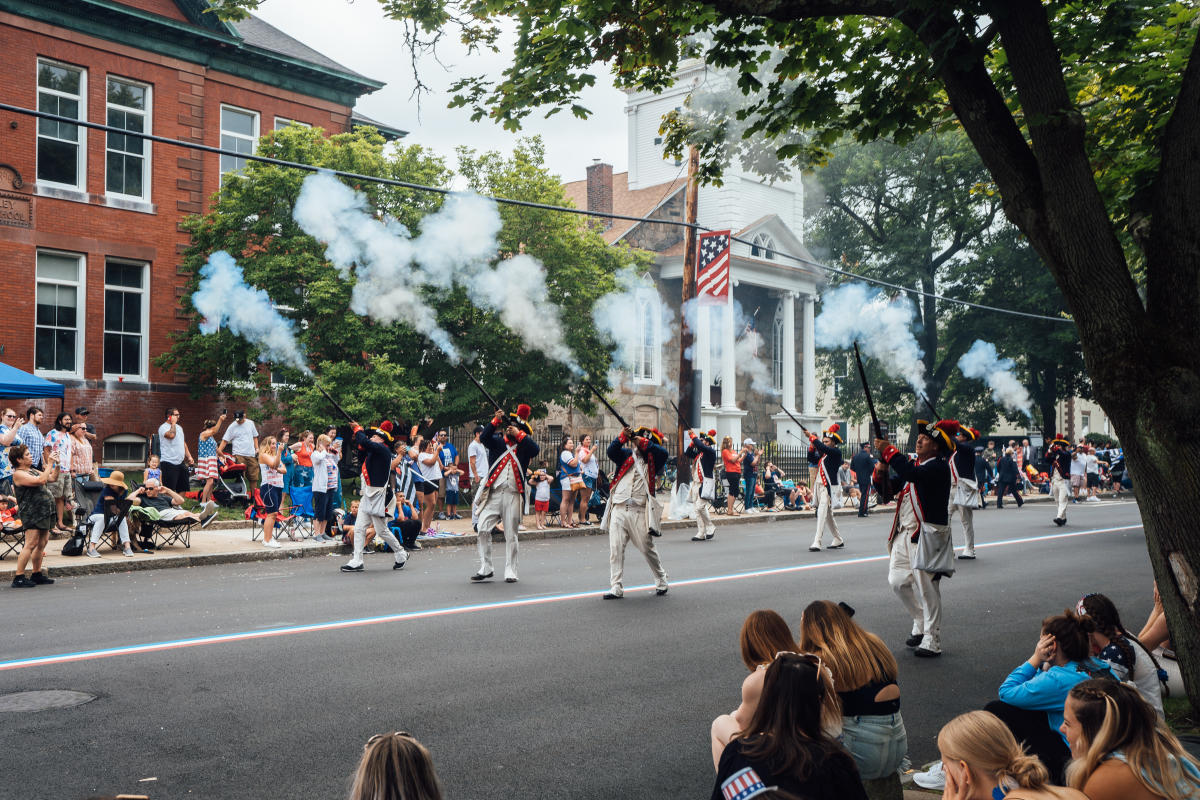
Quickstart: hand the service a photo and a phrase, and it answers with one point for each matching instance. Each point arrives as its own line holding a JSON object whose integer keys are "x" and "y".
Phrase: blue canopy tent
{"x": 17, "y": 383}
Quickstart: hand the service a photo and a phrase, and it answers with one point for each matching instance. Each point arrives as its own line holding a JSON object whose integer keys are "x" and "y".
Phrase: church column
{"x": 728, "y": 362}
{"x": 788, "y": 307}
{"x": 702, "y": 351}
{"x": 810, "y": 353}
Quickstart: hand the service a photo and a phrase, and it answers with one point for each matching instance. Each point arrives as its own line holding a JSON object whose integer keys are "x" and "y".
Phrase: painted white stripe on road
{"x": 291, "y": 630}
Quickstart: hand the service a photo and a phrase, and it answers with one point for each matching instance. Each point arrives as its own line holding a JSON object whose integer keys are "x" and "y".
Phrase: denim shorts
{"x": 272, "y": 496}
{"x": 877, "y": 743}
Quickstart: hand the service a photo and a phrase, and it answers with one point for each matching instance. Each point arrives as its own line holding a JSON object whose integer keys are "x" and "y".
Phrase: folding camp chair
{"x": 286, "y": 524}
{"x": 11, "y": 540}
{"x": 114, "y": 514}
{"x": 164, "y": 532}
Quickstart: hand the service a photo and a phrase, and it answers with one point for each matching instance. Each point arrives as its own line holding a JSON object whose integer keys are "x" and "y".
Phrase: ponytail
{"x": 1026, "y": 771}
{"x": 986, "y": 744}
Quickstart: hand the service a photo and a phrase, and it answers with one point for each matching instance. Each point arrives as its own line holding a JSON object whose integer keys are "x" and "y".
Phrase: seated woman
{"x": 1032, "y": 696}
{"x": 1125, "y": 656}
{"x": 983, "y": 761}
{"x": 785, "y": 745}
{"x": 1121, "y": 750}
{"x": 108, "y": 505}
{"x": 801, "y": 496}
{"x": 764, "y": 633}
{"x": 395, "y": 765}
{"x": 864, "y": 673}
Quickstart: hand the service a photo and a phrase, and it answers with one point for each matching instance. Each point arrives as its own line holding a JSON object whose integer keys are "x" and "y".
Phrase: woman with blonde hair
{"x": 983, "y": 761}
{"x": 395, "y": 766}
{"x": 864, "y": 674}
{"x": 1121, "y": 750}
{"x": 271, "y": 471}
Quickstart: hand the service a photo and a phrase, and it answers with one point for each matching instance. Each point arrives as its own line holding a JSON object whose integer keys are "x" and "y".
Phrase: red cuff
{"x": 496, "y": 420}
{"x": 812, "y": 437}
{"x": 621, "y": 437}
{"x": 356, "y": 428}
{"x": 888, "y": 452}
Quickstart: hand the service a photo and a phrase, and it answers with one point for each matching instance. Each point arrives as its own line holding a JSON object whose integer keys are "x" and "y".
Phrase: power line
{"x": 279, "y": 162}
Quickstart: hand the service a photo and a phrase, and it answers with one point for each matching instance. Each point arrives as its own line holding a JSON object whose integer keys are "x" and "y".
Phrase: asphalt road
{"x": 532, "y": 690}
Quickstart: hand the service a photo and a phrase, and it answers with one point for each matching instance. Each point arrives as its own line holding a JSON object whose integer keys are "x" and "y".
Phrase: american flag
{"x": 712, "y": 268}
{"x": 743, "y": 784}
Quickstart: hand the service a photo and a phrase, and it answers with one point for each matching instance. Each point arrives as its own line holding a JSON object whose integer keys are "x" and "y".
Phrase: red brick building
{"x": 89, "y": 219}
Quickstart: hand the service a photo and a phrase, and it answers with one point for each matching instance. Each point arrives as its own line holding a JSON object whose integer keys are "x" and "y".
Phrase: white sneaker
{"x": 273, "y": 544}
{"x": 1093, "y": 499}
{"x": 934, "y": 778}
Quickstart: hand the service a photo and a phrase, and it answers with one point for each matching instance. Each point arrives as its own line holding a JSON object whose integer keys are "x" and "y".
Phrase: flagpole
{"x": 687, "y": 336}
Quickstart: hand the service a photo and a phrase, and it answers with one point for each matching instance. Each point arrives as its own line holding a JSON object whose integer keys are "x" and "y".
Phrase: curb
{"x": 161, "y": 560}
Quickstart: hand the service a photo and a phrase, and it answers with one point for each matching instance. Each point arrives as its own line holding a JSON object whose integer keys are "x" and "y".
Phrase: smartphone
{"x": 224, "y": 412}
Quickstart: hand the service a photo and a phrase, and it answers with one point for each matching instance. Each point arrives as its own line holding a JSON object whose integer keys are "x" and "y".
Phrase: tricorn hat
{"x": 968, "y": 434}
{"x": 1060, "y": 439}
{"x": 943, "y": 432}
{"x": 383, "y": 430}
{"x": 653, "y": 434}
{"x": 835, "y": 432}
{"x": 520, "y": 419}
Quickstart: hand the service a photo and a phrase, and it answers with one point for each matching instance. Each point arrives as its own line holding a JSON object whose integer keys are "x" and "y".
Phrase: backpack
{"x": 78, "y": 541}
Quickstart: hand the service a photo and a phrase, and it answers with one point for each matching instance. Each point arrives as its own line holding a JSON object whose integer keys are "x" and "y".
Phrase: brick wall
{"x": 186, "y": 102}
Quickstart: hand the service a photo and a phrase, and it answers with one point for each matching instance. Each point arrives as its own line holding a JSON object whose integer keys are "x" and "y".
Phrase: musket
{"x": 611, "y": 410}
{"x": 479, "y": 386}
{"x": 862, "y": 373}
{"x": 333, "y": 402}
{"x": 798, "y": 422}
{"x": 678, "y": 413}
{"x": 929, "y": 405}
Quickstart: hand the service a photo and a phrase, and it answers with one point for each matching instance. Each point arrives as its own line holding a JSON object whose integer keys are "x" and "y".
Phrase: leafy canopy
{"x": 374, "y": 369}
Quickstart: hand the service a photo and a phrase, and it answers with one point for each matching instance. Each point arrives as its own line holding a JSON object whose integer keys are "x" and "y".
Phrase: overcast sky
{"x": 357, "y": 35}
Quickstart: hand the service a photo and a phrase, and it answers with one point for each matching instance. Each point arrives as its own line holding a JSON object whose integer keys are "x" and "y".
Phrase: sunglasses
{"x": 811, "y": 658}
{"x": 379, "y": 737}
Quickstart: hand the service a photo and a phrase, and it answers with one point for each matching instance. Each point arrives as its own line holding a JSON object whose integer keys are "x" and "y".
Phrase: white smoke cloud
{"x": 882, "y": 327}
{"x": 455, "y": 248}
{"x": 618, "y": 318}
{"x": 225, "y": 300}
{"x": 747, "y": 353}
{"x": 982, "y": 362}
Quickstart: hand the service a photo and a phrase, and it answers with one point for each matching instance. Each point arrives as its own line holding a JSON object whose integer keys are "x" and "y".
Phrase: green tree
{"x": 1086, "y": 115}
{"x": 926, "y": 215}
{"x": 378, "y": 370}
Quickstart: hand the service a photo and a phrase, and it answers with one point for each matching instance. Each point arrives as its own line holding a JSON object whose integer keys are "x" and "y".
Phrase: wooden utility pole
{"x": 686, "y": 335}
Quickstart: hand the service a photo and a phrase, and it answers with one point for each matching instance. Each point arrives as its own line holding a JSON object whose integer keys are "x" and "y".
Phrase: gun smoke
{"x": 881, "y": 326}
{"x": 224, "y": 299}
{"x": 982, "y": 362}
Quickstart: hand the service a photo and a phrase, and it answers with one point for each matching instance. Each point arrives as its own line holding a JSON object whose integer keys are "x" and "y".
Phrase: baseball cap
{"x": 748, "y": 441}
{"x": 82, "y": 411}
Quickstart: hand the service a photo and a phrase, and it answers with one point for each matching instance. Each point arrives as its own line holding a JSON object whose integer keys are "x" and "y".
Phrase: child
{"x": 451, "y": 473}
{"x": 152, "y": 471}
{"x": 8, "y": 513}
{"x": 348, "y": 521}
{"x": 541, "y": 496}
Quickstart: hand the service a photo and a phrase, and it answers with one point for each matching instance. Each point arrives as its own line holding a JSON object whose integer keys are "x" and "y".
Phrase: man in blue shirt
{"x": 30, "y": 435}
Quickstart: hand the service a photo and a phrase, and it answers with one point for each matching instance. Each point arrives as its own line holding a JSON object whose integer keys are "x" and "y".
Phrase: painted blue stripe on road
{"x": 291, "y": 630}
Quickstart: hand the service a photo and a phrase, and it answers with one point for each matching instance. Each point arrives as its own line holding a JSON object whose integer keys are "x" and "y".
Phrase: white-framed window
{"x": 61, "y": 146}
{"x": 763, "y": 247}
{"x": 777, "y": 350}
{"x": 283, "y": 122}
{"x": 126, "y": 318}
{"x": 647, "y": 352}
{"x": 1085, "y": 422}
{"x": 124, "y": 450}
{"x": 58, "y": 328}
{"x": 127, "y": 156}
{"x": 239, "y": 132}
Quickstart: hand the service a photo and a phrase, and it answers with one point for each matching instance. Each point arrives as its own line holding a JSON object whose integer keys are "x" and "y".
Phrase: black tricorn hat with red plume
{"x": 942, "y": 432}
{"x": 520, "y": 419}
{"x": 835, "y": 432}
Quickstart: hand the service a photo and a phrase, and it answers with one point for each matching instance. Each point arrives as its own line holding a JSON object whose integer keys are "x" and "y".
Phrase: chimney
{"x": 600, "y": 189}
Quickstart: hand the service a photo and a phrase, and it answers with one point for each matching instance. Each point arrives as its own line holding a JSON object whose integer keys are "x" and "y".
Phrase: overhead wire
{"x": 394, "y": 182}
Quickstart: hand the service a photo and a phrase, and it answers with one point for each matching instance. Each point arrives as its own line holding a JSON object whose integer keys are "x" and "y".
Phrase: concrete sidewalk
{"x": 229, "y": 542}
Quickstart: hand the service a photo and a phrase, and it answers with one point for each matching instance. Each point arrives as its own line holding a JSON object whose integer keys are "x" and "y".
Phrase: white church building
{"x": 775, "y": 294}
